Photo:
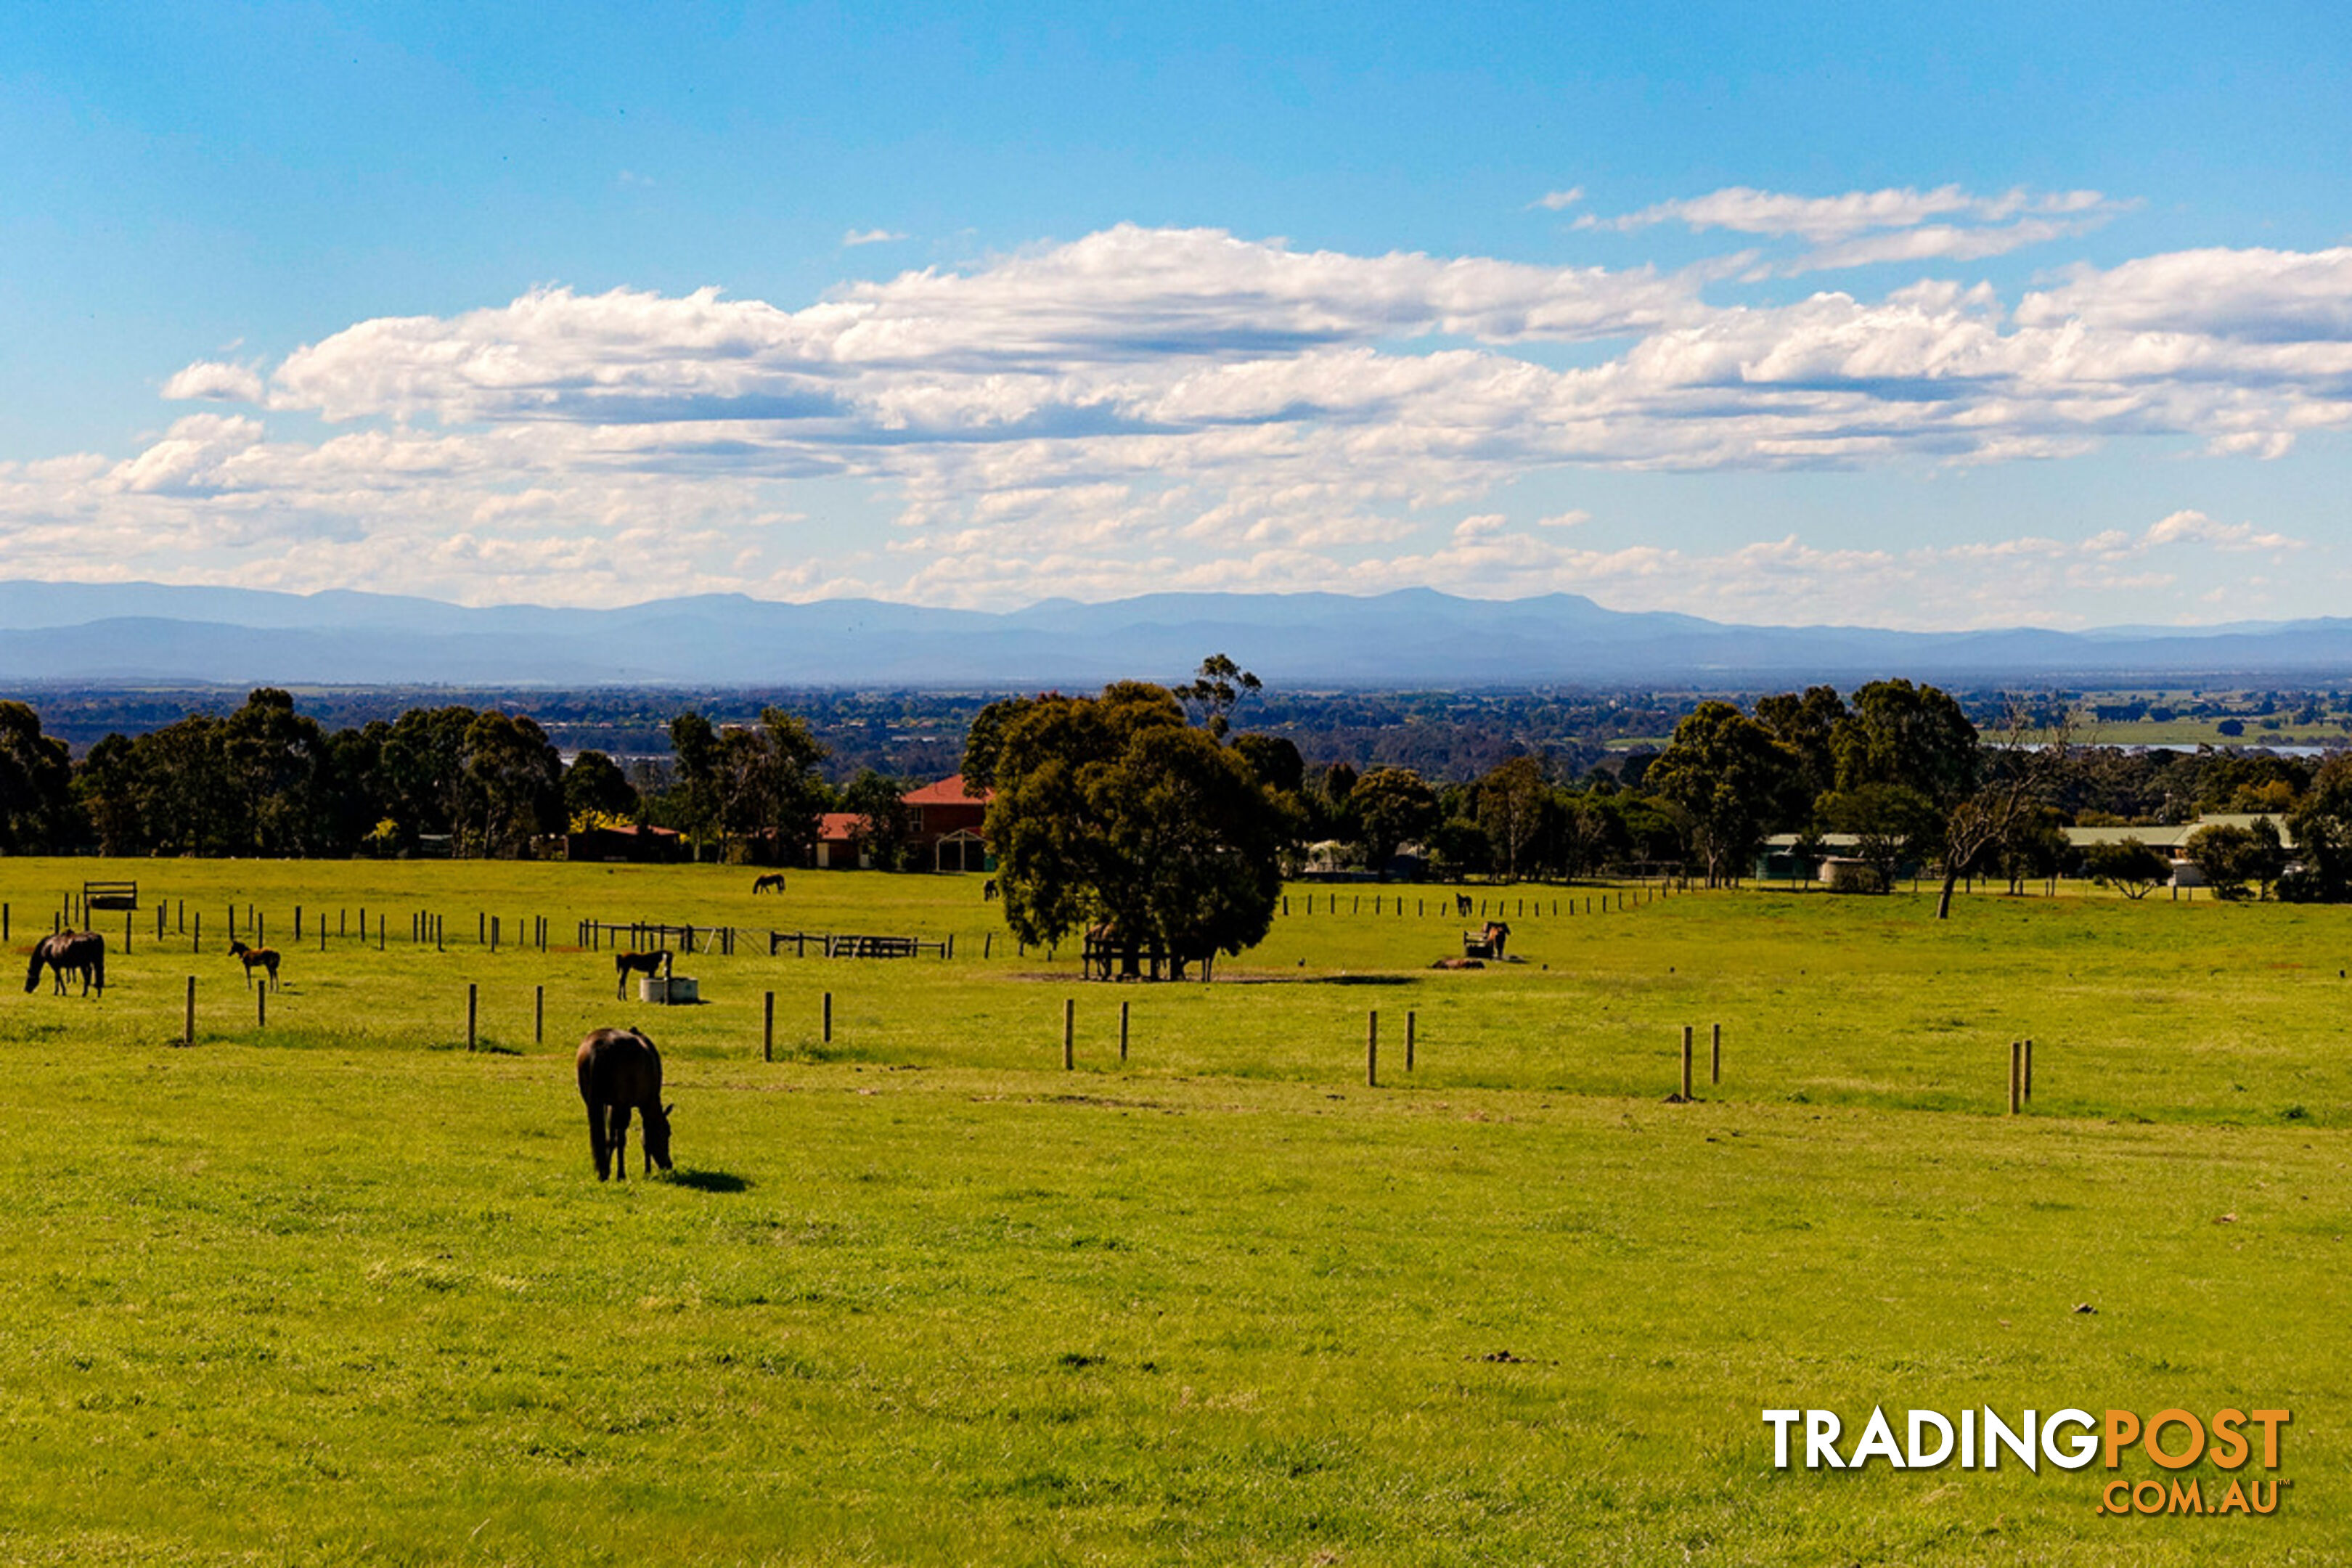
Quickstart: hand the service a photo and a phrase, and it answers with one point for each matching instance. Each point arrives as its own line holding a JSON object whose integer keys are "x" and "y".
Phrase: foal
{"x": 255, "y": 958}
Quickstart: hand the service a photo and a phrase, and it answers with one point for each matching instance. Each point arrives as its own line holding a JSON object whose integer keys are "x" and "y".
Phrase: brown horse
{"x": 1486, "y": 943}
{"x": 620, "y": 1071}
{"x": 81, "y": 952}
{"x": 774, "y": 882}
{"x": 645, "y": 964}
{"x": 255, "y": 958}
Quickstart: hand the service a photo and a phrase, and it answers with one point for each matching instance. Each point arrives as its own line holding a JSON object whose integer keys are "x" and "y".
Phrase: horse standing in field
{"x": 988, "y": 891}
{"x": 774, "y": 882}
{"x": 620, "y": 1071}
{"x": 1486, "y": 943}
{"x": 645, "y": 964}
{"x": 81, "y": 952}
{"x": 1462, "y": 906}
{"x": 255, "y": 958}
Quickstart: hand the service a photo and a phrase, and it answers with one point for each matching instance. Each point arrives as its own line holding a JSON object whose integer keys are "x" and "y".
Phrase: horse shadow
{"x": 710, "y": 1181}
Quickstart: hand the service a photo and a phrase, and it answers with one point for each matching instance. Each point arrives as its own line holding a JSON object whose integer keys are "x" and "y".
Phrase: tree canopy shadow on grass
{"x": 710, "y": 1181}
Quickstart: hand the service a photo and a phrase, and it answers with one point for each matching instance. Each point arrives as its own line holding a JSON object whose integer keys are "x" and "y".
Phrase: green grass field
{"x": 336, "y": 1290}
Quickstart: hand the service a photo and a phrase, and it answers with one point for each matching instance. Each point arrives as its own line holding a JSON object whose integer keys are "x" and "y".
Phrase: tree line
{"x": 1899, "y": 768}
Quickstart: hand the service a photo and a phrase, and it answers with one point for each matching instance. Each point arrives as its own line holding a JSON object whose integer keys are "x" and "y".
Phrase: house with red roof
{"x": 947, "y": 818}
{"x": 947, "y": 822}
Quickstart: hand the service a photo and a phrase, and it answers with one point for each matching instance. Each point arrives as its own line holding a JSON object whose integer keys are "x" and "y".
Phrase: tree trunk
{"x": 1944, "y": 899}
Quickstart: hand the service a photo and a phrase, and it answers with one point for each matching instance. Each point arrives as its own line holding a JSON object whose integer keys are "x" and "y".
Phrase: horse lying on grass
{"x": 255, "y": 958}
{"x": 645, "y": 964}
{"x": 620, "y": 1071}
{"x": 81, "y": 952}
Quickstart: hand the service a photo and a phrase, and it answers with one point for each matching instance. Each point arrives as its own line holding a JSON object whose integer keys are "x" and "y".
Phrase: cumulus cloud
{"x": 216, "y": 381}
{"x": 858, "y": 237}
{"x": 2196, "y": 528}
{"x": 1144, "y": 408}
{"x": 1559, "y": 201}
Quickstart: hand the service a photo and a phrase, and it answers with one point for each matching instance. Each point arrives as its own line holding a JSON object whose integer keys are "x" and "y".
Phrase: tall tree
{"x": 514, "y": 786}
{"x": 423, "y": 766}
{"x": 886, "y": 823}
{"x": 1916, "y": 736}
{"x": 1218, "y": 688}
{"x": 1810, "y": 726}
{"x": 2025, "y": 768}
{"x": 36, "y": 779}
{"x": 594, "y": 785}
{"x": 275, "y": 763}
{"x": 1112, "y": 809}
{"x": 1512, "y": 801}
{"x": 1734, "y": 780}
{"x": 2321, "y": 825}
{"x": 694, "y": 798}
{"x": 1392, "y": 807}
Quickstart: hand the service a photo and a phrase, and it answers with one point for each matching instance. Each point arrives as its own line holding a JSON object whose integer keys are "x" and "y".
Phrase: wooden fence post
{"x": 1714, "y": 1058}
{"x": 768, "y": 1029}
{"x": 469, "y": 1015}
{"x": 2029, "y": 1068}
{"x": 188, "y": 1027}
{"x": 2016, "y": 1076}
{"x": 1409, "y": 1024}
{"x": 126, "y": 933}
{"x": 261, "y": 1005}
{"x": 1069, "y": 1033}
{"x": 1687, "y": 1061}
{"x": 196, "y": 942}
{"x": 828, "y": 1018}
{"x": 1372, "y": 1049}
{"x": 1122, "y": 1033}
{"x": 538, "y": 1015}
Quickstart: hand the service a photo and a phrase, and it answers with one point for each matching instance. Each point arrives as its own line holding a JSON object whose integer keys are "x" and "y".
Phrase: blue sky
{"x": 1778, "y": 315}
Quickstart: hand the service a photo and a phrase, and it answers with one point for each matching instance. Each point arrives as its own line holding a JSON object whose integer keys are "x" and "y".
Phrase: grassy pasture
{"x": 336, "y": 1290}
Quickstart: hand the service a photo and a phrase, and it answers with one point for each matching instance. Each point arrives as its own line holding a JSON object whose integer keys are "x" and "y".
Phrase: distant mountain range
{"x": 145, "y": 633}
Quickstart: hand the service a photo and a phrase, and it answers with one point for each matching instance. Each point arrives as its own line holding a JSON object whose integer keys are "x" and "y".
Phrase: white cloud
{"x": 2196, "y": 528}
{"x": 1143, "y": 408}
{"x": 1559, "y": 201}
{"x": 1825, "y": 220}
{"x": 212, "y": 379}
{"x": 856, "y": 236}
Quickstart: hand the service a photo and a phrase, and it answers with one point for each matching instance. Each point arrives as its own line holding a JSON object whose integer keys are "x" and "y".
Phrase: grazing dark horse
{"x": 81, "y": 952}
{"x": 1462, "y": 906}
{"x": 988, "y": 891}
{"x": 645, "y": 964}
{"x": 255, "y": 958}
{"x": 774, "y": 882}
{"x": 620, "y": 1071}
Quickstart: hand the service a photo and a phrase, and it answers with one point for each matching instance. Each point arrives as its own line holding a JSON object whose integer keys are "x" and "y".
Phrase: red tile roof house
{"x": 837, "y": 847}
{"x": 946, "y": 822}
